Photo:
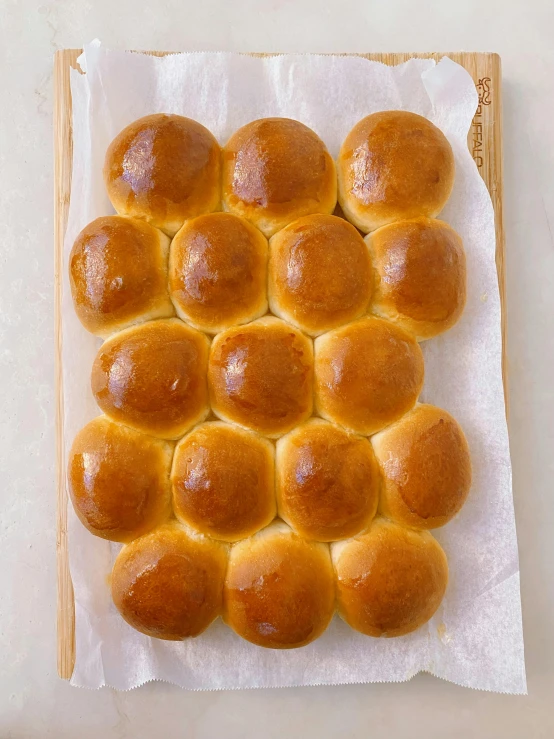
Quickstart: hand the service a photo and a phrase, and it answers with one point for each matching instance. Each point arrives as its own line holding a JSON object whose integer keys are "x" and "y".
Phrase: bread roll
{"x": 426, "y": 468}
{"x": 261, "y": 376}
{"x": 276, "y": 170}
{"x": 279, "y": 590}
{"x": 223, "y": 481}
{"x": 420, "y": 275}
{"x": 320, "y": 273}
{"x": 118, "y": 274}
{"x": 168, "y": 584}
{"x": 218, "y": 272}
{"x": 327, "y": 481}
{"x": 118, "y": 480}
{"x": 390, "y": 580}
{"x": 394, "y": 165}
{"x": 152, "y": 377}
{"x": 164, "y": 169}
{"x": 367, "y": 374}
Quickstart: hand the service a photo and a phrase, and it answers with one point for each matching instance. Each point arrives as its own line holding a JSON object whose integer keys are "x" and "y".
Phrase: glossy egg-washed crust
{"x": 279, "y": 590}
{"x": 152, "y": 377}
{"x": 169, "y": 583}
{"x": 367, "y": 374}
{"x": 320, "y": 273}
{"x": 276, "y": 170}
{"x": 426, "y": 468}
{"x": 420, "y": 275}
{"x": 218, "y": 272}
{"x": 163, "y": 169}
{"x": 327, "y": 481}
{"x": 118, "y": 274}
{"x": 223, "y": 481}
{"x": 261, "y": 376}
{"x": 118, "y": 480}
{"x": 390, "y": 580}
{"x": 394, "y": 165}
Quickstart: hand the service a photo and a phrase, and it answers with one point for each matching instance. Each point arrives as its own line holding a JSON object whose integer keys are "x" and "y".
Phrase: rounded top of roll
{"x": 218, "y": 272}
{"x": 168, "y": 584}
{"x": 118, "y": 480}
{"x": 223, "y": 481}
{"x": 279, "y": 590}
{"x": 327, "y": 481}
{"x": 368, "y": 374}
{"x": 152, "y": 377}
{"x": 163, "y": 169}
{"x": 276, "y": 170}
{"x": 394, "y": 165}
{"x": 118, "y": 274}
{"x": 261, "y": 376}
{"x": 390, "y": 580}
{"x": 320, "y": 273}
{"x": 420, "y": 269}
{"x": 426, "y": 468}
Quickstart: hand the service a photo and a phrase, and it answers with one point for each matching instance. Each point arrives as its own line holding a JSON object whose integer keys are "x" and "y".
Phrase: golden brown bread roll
{"x": 118, "y": 480}
{"x": 168, "y": 584}
{"x": 279, "y": 589}
{"x": 218, "y": 272}
{"x": 261, "y": 376}
{"x": 426, "y": 468}
{"x": 390, "y": 580}
{"x": 152, "y": 377}
{"x": 164, "y": 169}
{"x": 420, "y": 268}
{"x": 276, "y": 170}
{"x": 223, "y": 481}
{"x": 367, "y": 374}
{"x": 118, "y": 274}
{"x": 394, "y": 165}
{"x": 320, "y": 273}
{"x": 327, "y": 481}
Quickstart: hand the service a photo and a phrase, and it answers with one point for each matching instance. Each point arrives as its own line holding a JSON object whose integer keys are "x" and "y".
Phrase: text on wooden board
{"x": 484, "y": 91}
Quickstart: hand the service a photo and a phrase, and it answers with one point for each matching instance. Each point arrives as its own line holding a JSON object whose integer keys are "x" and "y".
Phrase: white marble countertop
{"x": 33, "y": 701}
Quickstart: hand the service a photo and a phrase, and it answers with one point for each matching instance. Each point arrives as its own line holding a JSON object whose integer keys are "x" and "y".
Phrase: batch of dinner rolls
{"x": 261, "y": 453}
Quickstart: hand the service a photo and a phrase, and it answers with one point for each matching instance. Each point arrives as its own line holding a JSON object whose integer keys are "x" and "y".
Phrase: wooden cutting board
{"x": 485, "y": 145}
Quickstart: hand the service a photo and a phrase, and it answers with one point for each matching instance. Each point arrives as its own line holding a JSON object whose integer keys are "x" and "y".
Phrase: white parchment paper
{"x": 475, "y": 639}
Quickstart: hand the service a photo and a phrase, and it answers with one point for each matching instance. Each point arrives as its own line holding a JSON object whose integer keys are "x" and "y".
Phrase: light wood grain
{"x": 485, "y": 144}
{"x": 63, "y": 156}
